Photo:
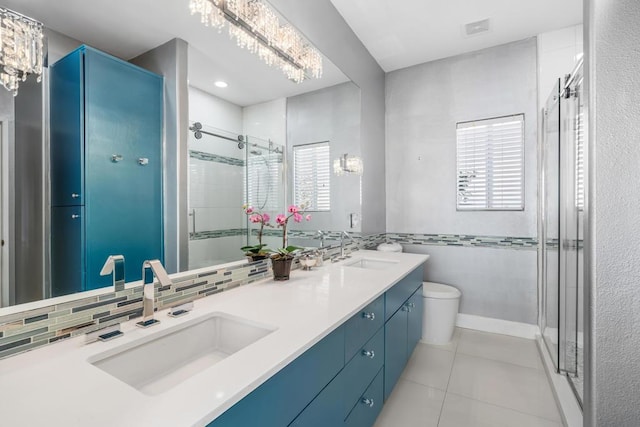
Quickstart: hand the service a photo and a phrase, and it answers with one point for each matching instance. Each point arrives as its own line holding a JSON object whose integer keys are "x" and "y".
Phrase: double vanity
{"x": 324, "y": 348}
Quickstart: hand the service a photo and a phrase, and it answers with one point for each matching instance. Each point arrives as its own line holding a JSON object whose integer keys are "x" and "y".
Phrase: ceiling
{"x": 128, "y": 28}
{"x": 403, "y": 33}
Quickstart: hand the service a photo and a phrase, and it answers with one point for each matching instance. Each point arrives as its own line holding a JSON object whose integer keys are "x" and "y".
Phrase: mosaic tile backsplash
{"x": 31, "y": 329}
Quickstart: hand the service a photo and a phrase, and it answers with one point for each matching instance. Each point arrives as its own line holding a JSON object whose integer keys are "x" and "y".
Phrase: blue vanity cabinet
{"x": 403, "y": 328}
{"x": 106, "y": 145}
{"x": 278, "y": 401}
{"x": 345, "y": 378}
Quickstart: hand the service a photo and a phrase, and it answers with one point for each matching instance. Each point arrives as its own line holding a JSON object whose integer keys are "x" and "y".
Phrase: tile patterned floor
{"x": 477, "y": 380}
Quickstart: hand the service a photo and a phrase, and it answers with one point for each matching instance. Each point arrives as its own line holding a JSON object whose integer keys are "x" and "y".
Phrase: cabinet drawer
{"x": 369, "y": 405}
{"x": 326, "y": 408}
{"x": 361, "y": 370}
{"x": 280, "y": 399}
{"x": 361, "y": 327}
{"x": 401, "y": 291}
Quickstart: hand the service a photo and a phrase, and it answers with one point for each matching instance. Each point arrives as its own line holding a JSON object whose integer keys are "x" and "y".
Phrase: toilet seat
{"x": 439, "y": 291}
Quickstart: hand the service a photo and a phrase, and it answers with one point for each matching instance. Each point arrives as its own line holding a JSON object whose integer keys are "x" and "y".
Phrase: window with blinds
{"x": 490, "y": 164}
{"x": 311, "y": 176}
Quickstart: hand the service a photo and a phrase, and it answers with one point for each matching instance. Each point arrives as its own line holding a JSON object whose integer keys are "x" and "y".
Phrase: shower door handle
{"x": 192, "y": 214}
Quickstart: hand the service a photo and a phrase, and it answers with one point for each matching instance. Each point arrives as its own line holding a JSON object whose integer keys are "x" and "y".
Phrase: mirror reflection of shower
{"x": 226, "y": 171}
{"x": 264, "y": 165}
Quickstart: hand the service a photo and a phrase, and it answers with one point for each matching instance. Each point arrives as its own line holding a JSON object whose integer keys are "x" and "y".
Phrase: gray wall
{"x": 424, "y": 103}
{"x": 326, "y": 29}
{"x": 613, "y": 267}
{"x": 170, "y": 60}
{"x": 331, "y": 114}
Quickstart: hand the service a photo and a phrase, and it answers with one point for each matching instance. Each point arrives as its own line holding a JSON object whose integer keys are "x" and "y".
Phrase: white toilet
{"x": 441, "y": 304}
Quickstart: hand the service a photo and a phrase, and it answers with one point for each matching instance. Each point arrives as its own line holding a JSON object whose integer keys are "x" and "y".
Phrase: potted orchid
{"x": 281, "y": 260}
{"x": 259, "y": 251}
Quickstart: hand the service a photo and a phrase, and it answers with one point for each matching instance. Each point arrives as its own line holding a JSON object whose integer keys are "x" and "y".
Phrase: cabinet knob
{"x": 115, "y": 158}
{"x": 368, "y": 402}
{"x": 74, "y": 195}
{"x": 143, "y": 161}
{"x": 370, "y": 316}
{"x": 75, "y": 216}
{"x": 369, "y": 353}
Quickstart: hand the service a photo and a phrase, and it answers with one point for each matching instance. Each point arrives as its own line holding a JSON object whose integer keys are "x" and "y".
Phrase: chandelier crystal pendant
{"x": 21, "y": 49}
{"x": 256, "y": 27}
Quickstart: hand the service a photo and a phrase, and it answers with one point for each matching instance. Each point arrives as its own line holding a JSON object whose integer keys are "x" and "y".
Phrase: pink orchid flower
{"x": 281, "y": 219}
{"x": 255, "y": 219}
{"x": 249, "y": 209}
{"x": 297, "y": 217}
{"x": 308, "y": 217}
{"x": 266, "y": 218}
{"x": 293, "y": 209}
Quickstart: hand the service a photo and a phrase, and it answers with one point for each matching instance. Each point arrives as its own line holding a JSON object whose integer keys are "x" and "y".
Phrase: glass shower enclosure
{"x": 563, "y": 203}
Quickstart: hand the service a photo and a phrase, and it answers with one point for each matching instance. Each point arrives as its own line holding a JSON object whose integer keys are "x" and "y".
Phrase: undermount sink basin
{"x": 161, "y": 361}
{"x": 371, "y": 264}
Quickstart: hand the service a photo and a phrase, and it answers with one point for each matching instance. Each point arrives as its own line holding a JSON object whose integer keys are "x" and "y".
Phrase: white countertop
{"x": 56, "y": 386}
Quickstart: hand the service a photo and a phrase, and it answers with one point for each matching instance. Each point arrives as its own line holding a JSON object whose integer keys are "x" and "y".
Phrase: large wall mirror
{"x": 262, "y": 140}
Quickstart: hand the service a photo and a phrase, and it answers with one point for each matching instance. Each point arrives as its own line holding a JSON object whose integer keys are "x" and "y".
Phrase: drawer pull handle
{"x": 405, "y": 308}
{"x": 115, "y": 158}
{"x": 370, "y": 316}
{"x": 368, "y": 402}
{"x": 412, "y": 305}
{"x": 75, "y": 195}
{"x": 75, "y": 216}
{"x": 369, "y": 353}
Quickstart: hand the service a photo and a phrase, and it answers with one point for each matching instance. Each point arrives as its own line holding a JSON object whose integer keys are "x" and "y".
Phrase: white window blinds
{"x": 311, "y": 176}
{"x": 490, "y": 164}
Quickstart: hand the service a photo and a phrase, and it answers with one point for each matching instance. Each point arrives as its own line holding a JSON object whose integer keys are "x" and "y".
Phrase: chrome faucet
{"x": 342, "y": 237}
{"x": 148, "y": 291}
{"x": 321, "y": 235}
{"x": 115, "y": 265}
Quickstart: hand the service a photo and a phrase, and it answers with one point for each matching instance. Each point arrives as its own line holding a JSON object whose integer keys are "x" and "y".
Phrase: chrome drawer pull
{"x": 370, "y": 316}
{"x": 369, "y": 353}
{"x": 412, "y": 305}
{"x": 368, "y": 402}
{"x": 75, "y": 195}
{"x": 75, "y": 216}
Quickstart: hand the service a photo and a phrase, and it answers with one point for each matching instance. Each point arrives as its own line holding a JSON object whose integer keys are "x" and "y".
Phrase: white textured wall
{"x": 267, "y": 121}
{"x": 213, "y": 111}
{"x": 424, "y": 103}
{"x": 613, "y": 341}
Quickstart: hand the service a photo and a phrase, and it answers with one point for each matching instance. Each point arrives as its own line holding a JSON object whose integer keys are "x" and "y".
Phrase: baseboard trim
{"x": 562, "y": 391}
{"x": 497, "y": 326}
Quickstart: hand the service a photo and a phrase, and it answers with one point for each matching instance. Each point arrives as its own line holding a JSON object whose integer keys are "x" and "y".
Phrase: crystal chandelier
{"x": 256, "y": 27}
{"x": 21, "y": 50}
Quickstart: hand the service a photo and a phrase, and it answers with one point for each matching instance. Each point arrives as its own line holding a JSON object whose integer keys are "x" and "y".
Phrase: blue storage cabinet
{"x": 345, "y": 378}
{"x": 106, "y": 156}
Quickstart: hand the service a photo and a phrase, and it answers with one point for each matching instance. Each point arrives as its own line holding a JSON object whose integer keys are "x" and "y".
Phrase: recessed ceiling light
{"x": 220, "y": 83}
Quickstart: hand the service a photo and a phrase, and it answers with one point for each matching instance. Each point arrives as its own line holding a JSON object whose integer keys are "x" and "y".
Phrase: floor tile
{"x": 518, "y": 351}
{"x": 450, "y": 346}
{"x": 522, "y": 389}
{"x": 429, "y": 366}
{"x": 410, "y": 405}
{"x": 460, "y": 411}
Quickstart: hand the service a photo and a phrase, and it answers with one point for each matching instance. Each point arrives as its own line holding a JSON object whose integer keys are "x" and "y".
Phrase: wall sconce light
{"x": 348, "y": 164}
{"x": 21, "y": 49}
